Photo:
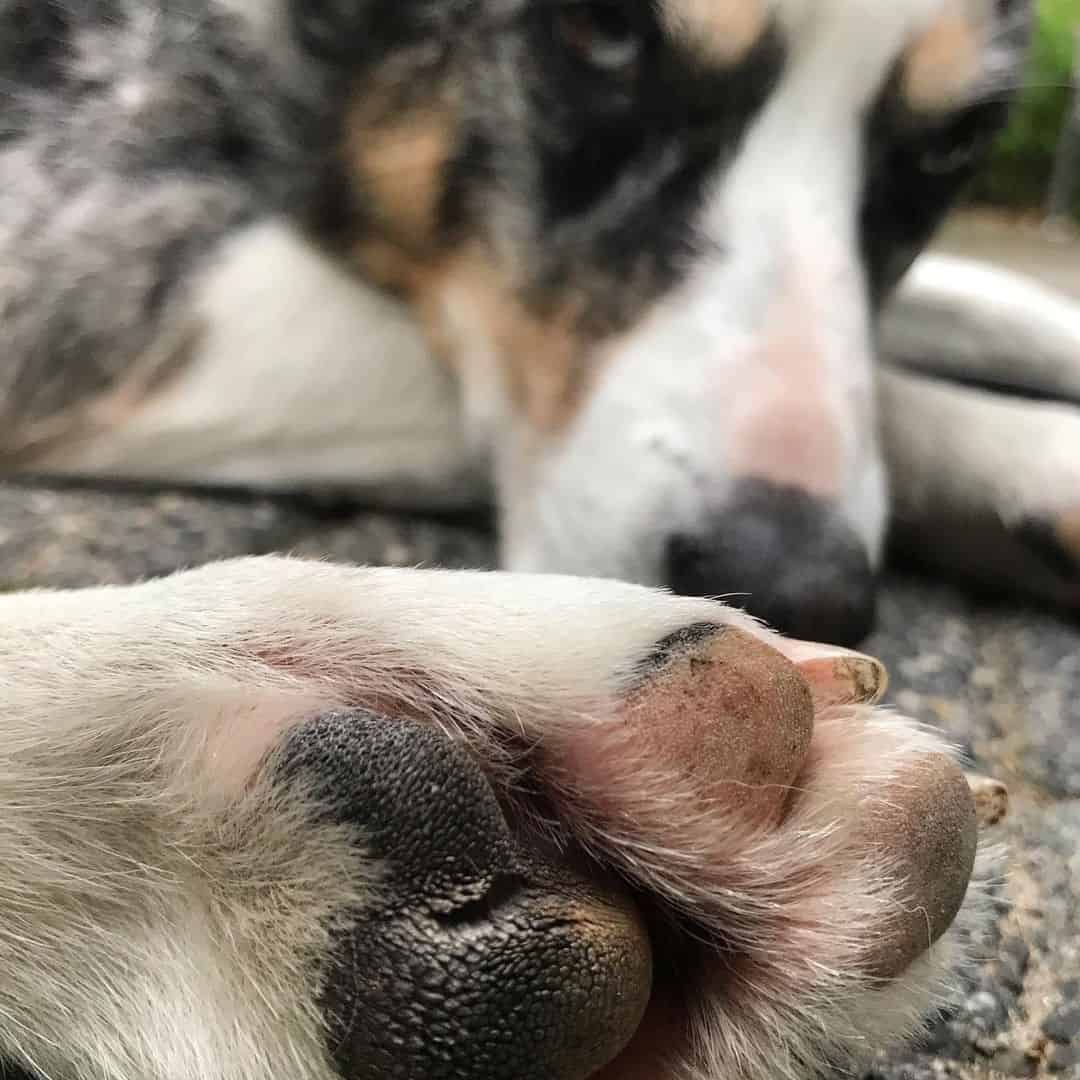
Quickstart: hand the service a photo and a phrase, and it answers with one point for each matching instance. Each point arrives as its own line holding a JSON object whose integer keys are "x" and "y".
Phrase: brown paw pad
{"x": 728, "y": 712}
{"x": 924, "y": 825}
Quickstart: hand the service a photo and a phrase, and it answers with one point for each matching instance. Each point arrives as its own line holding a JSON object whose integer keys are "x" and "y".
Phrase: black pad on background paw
{"x": 1047, "y": 543}
{"x": 477, "y": 960}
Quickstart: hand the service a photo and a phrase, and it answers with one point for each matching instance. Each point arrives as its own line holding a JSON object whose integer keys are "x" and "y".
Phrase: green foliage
{"x": 1020, "y": 167}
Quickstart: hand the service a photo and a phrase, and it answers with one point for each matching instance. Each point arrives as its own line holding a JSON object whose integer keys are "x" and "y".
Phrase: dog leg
{"x": 969, "y": 321}
{"x": 986, "y": 486}
{"x": 982, "y": 428}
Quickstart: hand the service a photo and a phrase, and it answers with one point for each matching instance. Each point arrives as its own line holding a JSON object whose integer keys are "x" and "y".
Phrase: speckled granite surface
{"x": 1003, "y": 681}
{"x": 1006, "y": 683}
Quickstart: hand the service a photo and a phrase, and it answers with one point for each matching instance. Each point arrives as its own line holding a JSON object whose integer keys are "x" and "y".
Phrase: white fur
{"x": 957, "y": 317}
{"x": 969, "y": 449}
{"x": 969, "y": 468}
{"x": 299, "y": 376}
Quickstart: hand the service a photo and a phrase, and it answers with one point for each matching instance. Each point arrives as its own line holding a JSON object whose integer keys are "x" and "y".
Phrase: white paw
{"x": 280, "y": 818}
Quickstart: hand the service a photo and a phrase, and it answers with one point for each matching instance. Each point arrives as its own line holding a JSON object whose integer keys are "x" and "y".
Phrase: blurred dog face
{"x": 650, "y": 238}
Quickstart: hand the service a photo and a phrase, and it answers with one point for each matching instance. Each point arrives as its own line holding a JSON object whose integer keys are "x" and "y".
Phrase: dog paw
{"x": 281, "y": 816}
{"x": 802, "y": 856}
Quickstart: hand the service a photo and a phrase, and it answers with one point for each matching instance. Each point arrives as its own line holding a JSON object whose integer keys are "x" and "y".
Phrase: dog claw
{"x": 991, "y": 799}
{"x": 837, "y": 676}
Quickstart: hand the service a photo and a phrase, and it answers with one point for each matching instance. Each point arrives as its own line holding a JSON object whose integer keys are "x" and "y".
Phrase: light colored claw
{"x": 991, "y": 799}
{"x": 837, "y": 676}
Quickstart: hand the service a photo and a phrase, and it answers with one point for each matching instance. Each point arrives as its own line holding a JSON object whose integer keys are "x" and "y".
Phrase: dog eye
{"x": 601, "y": 34}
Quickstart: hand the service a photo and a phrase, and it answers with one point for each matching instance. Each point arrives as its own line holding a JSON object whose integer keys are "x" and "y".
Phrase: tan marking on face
{"x": 398, "y": 165}
{"x": 390, "y": 266}
{"x": 942, "y": 68}
{"x": 542, "y": 358}
{"x": 397, "y": 154}
{"x": 1068, "y": 530}
{"x": 397, "y": 157}
{"x": 721, "y": 31}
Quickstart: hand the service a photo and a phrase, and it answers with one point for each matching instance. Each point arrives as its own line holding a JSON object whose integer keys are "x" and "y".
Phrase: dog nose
{"x": 787, "y": 558}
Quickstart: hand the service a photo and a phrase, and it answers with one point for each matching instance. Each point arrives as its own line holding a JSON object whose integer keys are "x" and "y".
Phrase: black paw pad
{"x": 477, "y": 959}
{"x": 422, "y": 801}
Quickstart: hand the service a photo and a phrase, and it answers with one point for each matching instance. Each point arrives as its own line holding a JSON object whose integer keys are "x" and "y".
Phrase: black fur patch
{"x": 623, "y": 168}
{"x": 16, "y": 1072}
{"x": 681, "y": 641}
{"x": 917, "y": 167}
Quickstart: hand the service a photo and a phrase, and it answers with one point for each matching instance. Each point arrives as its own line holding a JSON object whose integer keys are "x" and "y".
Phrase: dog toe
{"x": 728, "y": 712}
{"x": 924, "y": 825}
{"x": 809, "y": 856}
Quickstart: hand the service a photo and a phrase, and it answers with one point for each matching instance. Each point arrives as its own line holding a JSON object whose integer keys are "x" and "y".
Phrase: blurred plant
{"x": 1020, "y": 167}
